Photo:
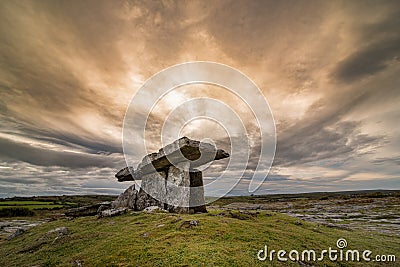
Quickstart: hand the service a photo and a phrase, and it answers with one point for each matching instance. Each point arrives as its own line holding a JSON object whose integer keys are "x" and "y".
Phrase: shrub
{"x": 16, "y": 212}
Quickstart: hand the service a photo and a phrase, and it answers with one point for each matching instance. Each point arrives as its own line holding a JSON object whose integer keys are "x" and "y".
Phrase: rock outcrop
{"x": 111, "y": 212}
{"x": 89, "y": 210}
{"x": 169, "y": 177}
{"x": 126, "y": 199}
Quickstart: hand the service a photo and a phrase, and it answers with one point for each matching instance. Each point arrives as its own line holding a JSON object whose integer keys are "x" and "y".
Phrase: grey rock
{"x": 189, "y": 223}
{"x": 101, "y": 208}
{"x": 125, "y": 174}
{"x": 178, "y": 188}
{"x": 88, "y": 210}
{"x": 169, "y": 176}
{"x": 182, "y": 150}
{"x": 59, "y": 231}
{"x": 154, "y": 185}
{"x": 77, "y": 263}
{"x": 17, "y": 233}
{"x": 144, "y": 200}
{"x": 126, "y": 199}
{"x": 197, "y": 201}
{"x": 181, "y": 187}
{"x": 154, "y": 209}
{"x": 145, "y": 234}
{"x": 112, "y": 212}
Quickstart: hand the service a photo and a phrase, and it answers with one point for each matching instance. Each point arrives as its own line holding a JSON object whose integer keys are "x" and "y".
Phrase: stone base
{"x": 178, "y": 186}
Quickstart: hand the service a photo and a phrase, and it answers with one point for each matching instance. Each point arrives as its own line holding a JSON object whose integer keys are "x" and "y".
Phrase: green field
{"x": 141, "y": 239}
{"x": 43, "y": 203}
{"x": 29, "y": 203}
{"x": 34, "y": 205}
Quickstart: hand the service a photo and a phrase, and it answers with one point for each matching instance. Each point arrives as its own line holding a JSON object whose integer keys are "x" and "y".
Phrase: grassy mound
{"x": 163, "y": 239}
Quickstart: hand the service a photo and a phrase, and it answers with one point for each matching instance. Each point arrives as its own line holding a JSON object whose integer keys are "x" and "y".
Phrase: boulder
{"x": 112, "y": 212}
{"x": 59, "y": 231}
{"x": 126, "y": 199}
{"x": 154, "y": 209}
{"x": 189, "y": 223}
{"x": 88, "y": 210}
{"x": 17, "y": 233}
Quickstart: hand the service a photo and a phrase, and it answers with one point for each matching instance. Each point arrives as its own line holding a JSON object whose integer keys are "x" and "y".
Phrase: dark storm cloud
{"x": 90, "y": 145}
{"x": 53, "y": 180}
{"x": 374, "y": 58}
{"x": 340, "y": 141}
{"x": 47, "y": 157}
{"x": 387, "y": 160}
{"x": 379, "y": 46}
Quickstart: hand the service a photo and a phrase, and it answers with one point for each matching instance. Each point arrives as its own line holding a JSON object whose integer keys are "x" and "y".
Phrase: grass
{"x": 141, "y": 239}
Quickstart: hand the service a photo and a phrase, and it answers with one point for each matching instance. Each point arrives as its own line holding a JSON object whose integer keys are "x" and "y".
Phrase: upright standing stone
{"x": 197, "y": 201}
{"x": 152, "y": 191}
{"x": 178, "y": 188}
{"x": 154, "y": 185}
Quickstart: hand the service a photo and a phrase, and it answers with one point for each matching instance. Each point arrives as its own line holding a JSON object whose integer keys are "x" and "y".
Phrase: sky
{"x": 328, "y": 69}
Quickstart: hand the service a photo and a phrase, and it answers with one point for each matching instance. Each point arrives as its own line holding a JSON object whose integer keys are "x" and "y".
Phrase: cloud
{"x": 377, "y": 48}
{"x": 20, "y": 178}
{"x": 340, "y": 141}
{"x": 14, "y": 151}
{"x": 374, "y": 58}
{"x": 68, "y": 71}
{"x": 387, "y": 160}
